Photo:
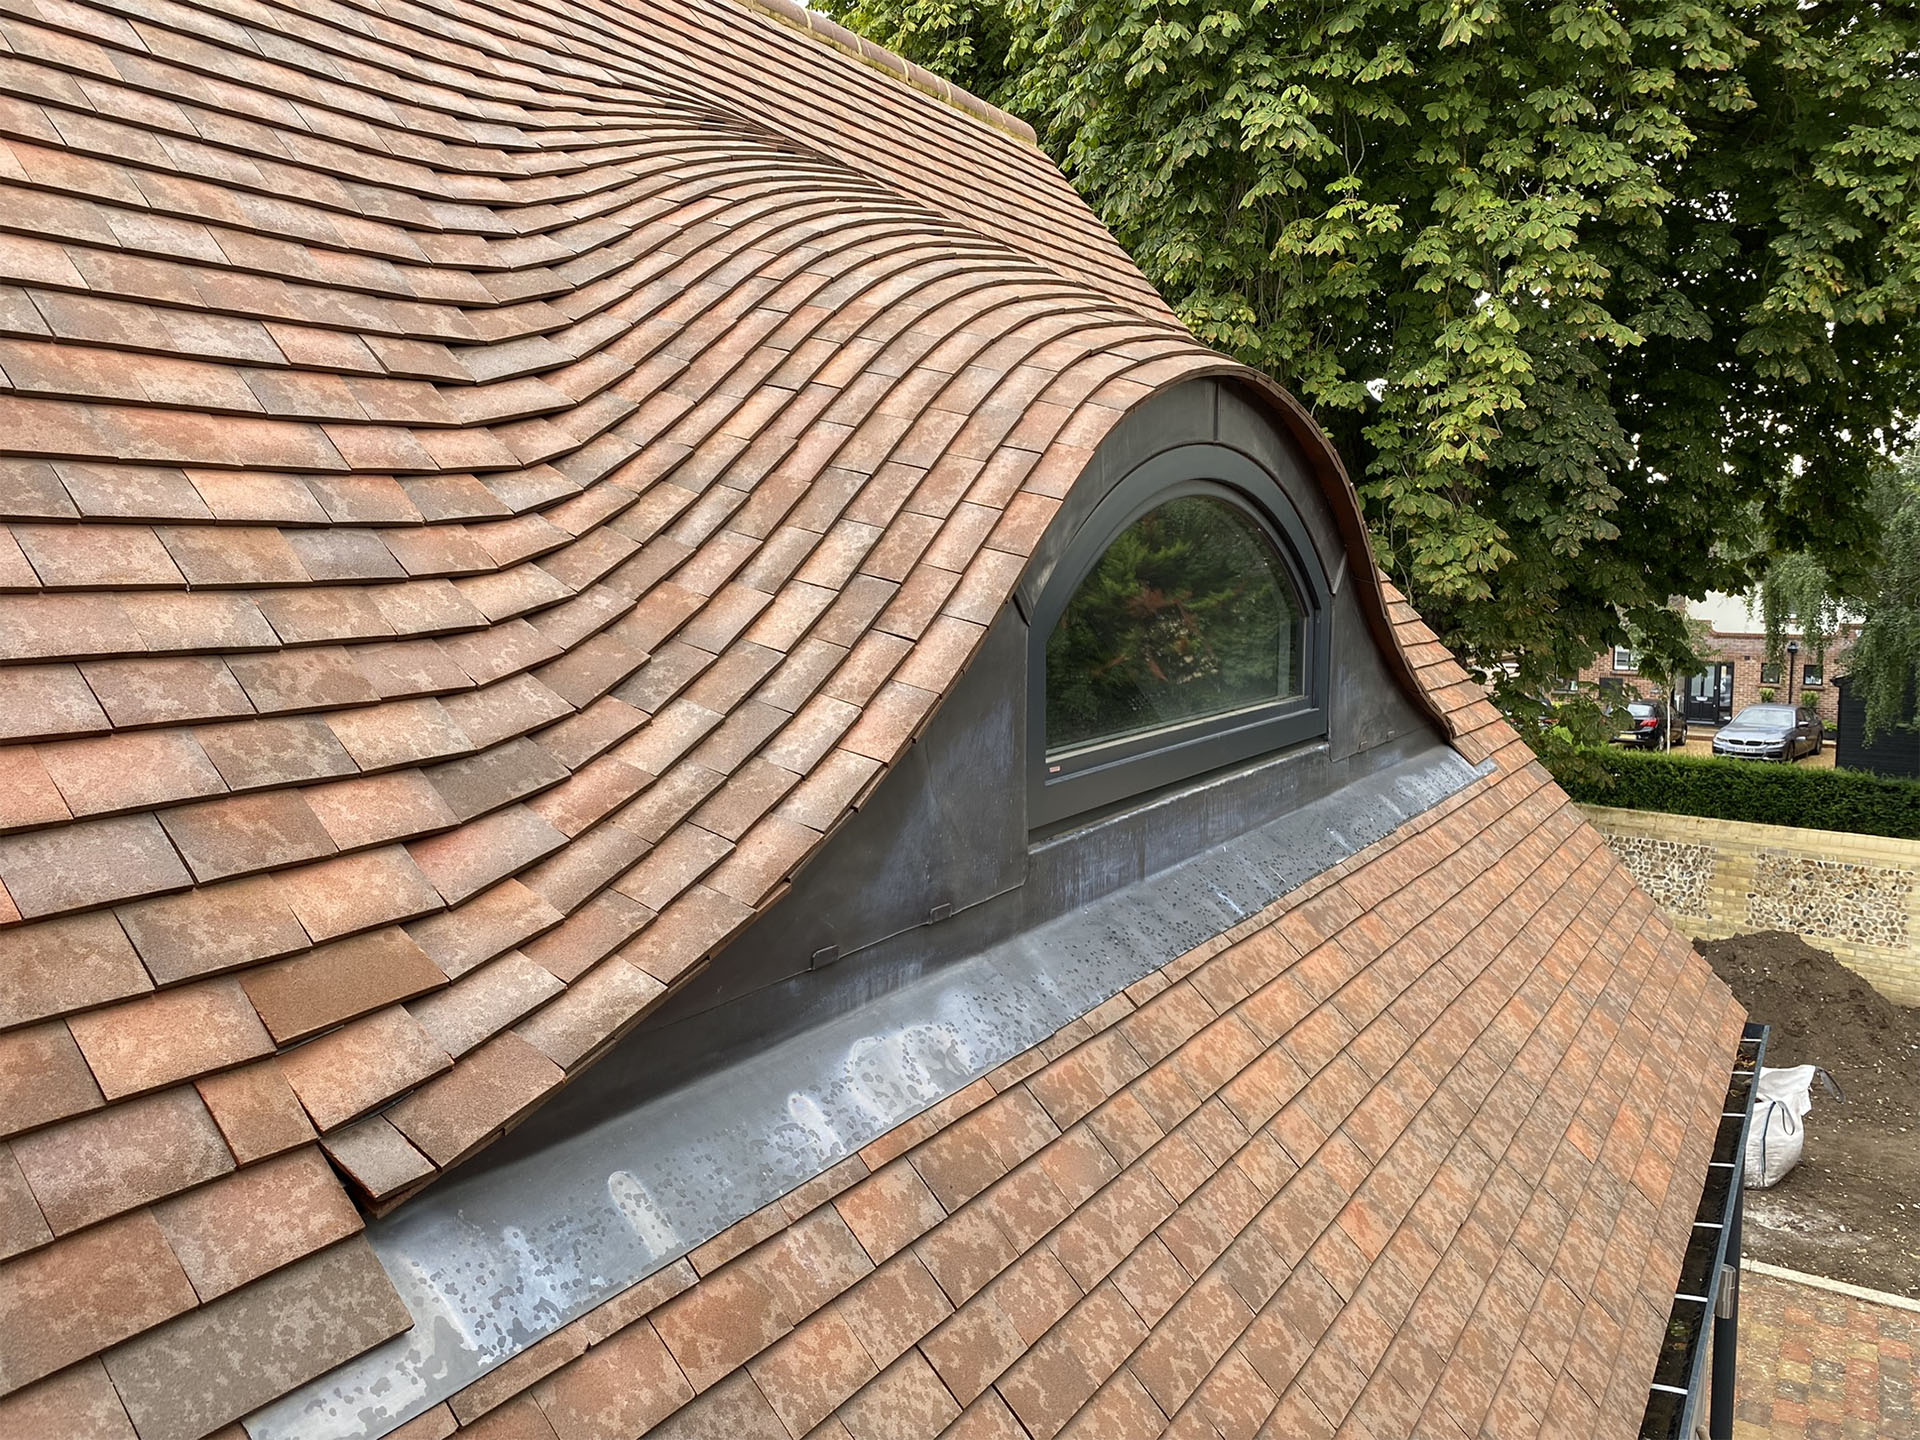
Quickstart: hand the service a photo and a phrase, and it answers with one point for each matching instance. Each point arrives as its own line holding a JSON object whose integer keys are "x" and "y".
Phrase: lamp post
{"x": 1793, "y": 666}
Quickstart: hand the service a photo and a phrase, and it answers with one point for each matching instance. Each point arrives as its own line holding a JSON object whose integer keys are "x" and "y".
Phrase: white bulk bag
{"x": 1781, "y": 1100}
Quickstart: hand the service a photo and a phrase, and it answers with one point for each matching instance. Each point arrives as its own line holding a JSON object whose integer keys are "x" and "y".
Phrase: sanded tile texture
{"x": 485, "y": 490}
{"x": 1415, "y": 1152}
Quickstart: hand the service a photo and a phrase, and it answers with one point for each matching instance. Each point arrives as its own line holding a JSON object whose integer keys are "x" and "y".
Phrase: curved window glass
{"x": 1188, "y": 615}
{"x": 1182, "y": 626}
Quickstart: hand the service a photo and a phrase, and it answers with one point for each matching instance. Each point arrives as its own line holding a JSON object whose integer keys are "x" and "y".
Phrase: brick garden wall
{"x": 1857, "y": 896}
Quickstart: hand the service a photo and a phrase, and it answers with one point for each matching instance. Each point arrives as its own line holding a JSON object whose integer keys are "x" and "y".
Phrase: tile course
{"x": 486, "y": 492}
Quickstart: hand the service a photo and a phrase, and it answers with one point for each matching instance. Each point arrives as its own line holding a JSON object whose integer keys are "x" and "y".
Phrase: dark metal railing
{"x": 1709, "y": 1284}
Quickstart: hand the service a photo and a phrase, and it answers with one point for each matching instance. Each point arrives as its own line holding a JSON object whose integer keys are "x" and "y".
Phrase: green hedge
{"x": 1766, "y": 794}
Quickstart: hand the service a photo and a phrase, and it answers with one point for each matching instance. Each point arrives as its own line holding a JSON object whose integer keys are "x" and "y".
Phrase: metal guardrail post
{"x": 1691, "y": 1394}
{"x": 1726, "y": 1324}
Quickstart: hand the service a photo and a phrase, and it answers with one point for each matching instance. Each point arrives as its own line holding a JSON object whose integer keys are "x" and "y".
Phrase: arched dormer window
{"x": 1182, "y": 630}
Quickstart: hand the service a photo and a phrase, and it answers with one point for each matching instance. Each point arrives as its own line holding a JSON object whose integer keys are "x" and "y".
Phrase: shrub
{"x": 1764, "y": 794}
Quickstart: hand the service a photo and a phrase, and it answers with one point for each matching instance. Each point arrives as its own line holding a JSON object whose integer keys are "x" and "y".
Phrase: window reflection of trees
{"x": 1187, "y": 615}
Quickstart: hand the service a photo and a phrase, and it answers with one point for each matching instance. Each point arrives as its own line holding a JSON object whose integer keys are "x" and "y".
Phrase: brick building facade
{"x": 1746, "y": 679}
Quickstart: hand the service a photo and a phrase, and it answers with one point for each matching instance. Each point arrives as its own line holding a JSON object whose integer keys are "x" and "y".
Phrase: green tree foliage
{"x": 1602, "y": 300}
{"x": 1188, "y": 613}
{"x": 1884, "y": 663}
{"x": 1797, "y": 595}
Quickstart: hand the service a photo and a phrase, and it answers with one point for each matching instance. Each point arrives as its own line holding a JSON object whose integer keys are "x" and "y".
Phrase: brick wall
{"x": 1856, "y": 896}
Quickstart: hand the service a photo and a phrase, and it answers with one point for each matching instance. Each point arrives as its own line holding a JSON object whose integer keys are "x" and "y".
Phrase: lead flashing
{"x": 495, "y": 1259}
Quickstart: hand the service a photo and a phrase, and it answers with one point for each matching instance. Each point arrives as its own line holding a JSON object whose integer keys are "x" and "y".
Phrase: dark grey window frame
{"x": 1100, "y": 776}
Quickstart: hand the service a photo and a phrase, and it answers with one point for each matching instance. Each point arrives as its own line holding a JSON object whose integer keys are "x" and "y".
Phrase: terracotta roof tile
{"x": 485, "y": 1002}
{"x": 89, "y": 863}
{"x": 462, "y": 862}
{"x": 96, "y": 556}
{"x": 261, "y": 753}
{"x": 894, "y": 1307}
{"x": 166, "y": 692}
{"x": 371, "y": 811}
{"x": 502, "y": 1079}
{"x": 245, "y": 833}
{"x": 594, "y": 931}
{"x": 624, "y": 1386}
{"x": 506, "y": 1383}
{"x": 316, "y": 678}
{"x": 170, "y": 1036}
{"x": 348, "y": 1071}
{"x": 402, "y": 732}
{"x": 377, "y": 1156}
{"x": 40, "y": 701}
{"x": 501, "y": 711}
{"x": 889, "y": 1210}
{"x": 22, "y": 1226}
{"x": 228, "y": 1357}
{"x": 63, "y": 965}
{"x": 495, "y": 777}
{"x": 597, "y": 1006}
{"x": 100, "y": 1164}
{"x": 718, "y": 1326}
{"x": 331, "y": 983}
{"x": 256, "y": 1220}
{"x": 43, "y": 1077}
{"x": 72, "y": 1299}
{"x": 256, "y": 1111}
{"x": 636, "y": 1301}
{"x": 211, "y": 929}
{"x": 79, "y": 1402}
{"x": 357, "y": 892}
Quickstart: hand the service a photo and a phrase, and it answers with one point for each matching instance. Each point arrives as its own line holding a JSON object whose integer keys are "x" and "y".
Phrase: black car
{"x": 1646, "y": 726}
{"x": 1772, "y": 732}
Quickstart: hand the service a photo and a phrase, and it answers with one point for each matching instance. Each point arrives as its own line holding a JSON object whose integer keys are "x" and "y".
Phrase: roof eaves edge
{"x": 839, "y": 37}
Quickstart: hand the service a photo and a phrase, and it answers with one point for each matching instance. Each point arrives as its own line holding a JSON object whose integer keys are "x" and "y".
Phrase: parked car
{"x": 1772, "y": 732}
{"x": 1646, "y": 726}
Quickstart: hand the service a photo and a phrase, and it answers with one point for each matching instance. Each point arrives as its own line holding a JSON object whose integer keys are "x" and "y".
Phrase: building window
{"x": 1769, "y": 673}
{"x": 1182, "y": 630}
{"x": 1811, "y": 677}
{"x": 1625, "y": 661}
{"x": 1189, "y": 615}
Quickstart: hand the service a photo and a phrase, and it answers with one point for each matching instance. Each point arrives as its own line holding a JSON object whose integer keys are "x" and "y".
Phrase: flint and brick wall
{"x": 1857, "y": 896}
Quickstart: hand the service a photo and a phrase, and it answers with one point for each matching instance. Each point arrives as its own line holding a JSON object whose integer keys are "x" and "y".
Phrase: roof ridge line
{"x": 832, "y": 33}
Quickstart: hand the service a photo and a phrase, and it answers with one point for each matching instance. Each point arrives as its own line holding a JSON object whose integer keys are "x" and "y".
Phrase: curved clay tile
{"x": 489, "y": 488}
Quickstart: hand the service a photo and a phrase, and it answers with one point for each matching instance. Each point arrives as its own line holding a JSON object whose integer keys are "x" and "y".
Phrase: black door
{"x": 1710, "y": 696}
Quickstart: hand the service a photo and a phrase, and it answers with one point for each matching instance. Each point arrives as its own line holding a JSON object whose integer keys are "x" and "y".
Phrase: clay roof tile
{"x": 474, "y": 531}
{"x": 102, "y": 1164}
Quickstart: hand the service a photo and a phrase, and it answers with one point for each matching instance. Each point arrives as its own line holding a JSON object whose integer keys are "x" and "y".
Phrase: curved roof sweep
{"x": 489, "y": 487}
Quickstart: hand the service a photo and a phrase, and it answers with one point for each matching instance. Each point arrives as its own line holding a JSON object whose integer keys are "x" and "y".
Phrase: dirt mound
{"x": 1821, "y": 1012}
{"x": 1851, "y": 1210}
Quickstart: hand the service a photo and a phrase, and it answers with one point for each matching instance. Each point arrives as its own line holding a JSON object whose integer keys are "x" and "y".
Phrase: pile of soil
{"x": 1851, "y": 1209}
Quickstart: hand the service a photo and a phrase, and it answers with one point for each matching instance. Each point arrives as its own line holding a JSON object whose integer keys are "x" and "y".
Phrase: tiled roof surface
{"x": 486, "y": 489}
{"x": 1415, "y": 1152}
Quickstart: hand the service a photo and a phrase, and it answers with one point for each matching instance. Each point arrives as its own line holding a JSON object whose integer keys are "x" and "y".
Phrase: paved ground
{"x": 1816, "y": 1365}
